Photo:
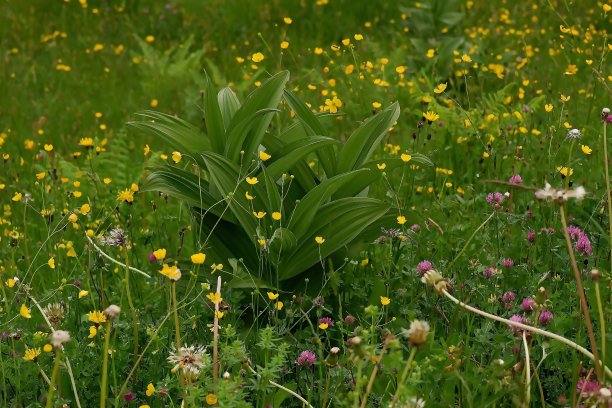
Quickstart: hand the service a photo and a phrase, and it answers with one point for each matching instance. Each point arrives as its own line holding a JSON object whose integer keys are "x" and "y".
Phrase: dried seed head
{"x": 112, "y": 312}
{"x": 417, "y": 333}
{"x": 59, "y": 337}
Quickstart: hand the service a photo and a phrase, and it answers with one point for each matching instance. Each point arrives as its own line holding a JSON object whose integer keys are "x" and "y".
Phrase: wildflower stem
{"x": 583, "y": 302}
{"x": 404, "y": 376}
{"x": 608, "y": 193}
{"x": 522, "y": 326}
{"x": 131, "y": 303}
{"x": 54, "y": 377}
{"x": 216, "y": 339}
{"x": 602, "y": 325}
{"x": 177, "y": 337}
{"x": 364, "y": 400}
{"x": 527, "y": 371}
{"x": 470, "y": 239}
{"x": 103, "y": 385}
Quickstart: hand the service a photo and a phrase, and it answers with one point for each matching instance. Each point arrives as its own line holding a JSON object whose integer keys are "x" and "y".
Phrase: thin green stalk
{"x": 54, "y": 377}
{"x": 404, "y": 376}
{"x": 470, "y": 239}
{"x": 608, "y": 193}
{"x": 364, "y": 400}
{"x": 602, "y": 325}
{"x": 131, "y": 304}
{"x": 177, "y": 337}
{"x": 583, "y": 302}
{"x": 103, "y": 384}
{"x": 527, "y": 371}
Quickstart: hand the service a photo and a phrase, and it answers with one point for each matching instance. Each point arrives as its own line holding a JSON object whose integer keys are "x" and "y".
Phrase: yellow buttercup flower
{"x": 384, "y": 300}
{"x": 401, "y": 220}
{"x": 47, "y": 348}
{"x": 565, "y": 171}
{"x": 279, "y": 305}
{"x": 25, "y": 312}
{"x": 160, "y": 254}
{"x": 177, "y": 157}
{"x": 17, "y": 197}
{"x": 252, "y": 180}
{"x": 211, "y": 399}
{"x": 276, "y": 215}
{"x": 126, "y": 195}
{"x": 51, "y": 263}
{"x": 83, "y": 293}
{"x": 406, "y": 157}
{"x": 257, "y": 57}
{"x": 171, "y": 272}
{"x": 319, "y": 240}
{"x": 215, "y": 297}
{"x": 548, "y": 107}
{"x": 48, "y": 147}
{"x": 86, "y": 142}
{"x": 586, "y": 149}
{"x": 248, "y": 196}
{"x": 440, "y": 88}
{"x": 272, "y": 295}
{"x": 259, "y": 214}
{"x": 85, "y": 208}
{"x": 198, "y": 258}
{"x": 150, "y": 390}
{"x": 92, "y": 332}
{"x": 264, "y": 156}
{"x": 323, "y": 326}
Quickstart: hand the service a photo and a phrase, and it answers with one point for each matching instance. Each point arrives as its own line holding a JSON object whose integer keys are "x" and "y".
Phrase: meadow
{"x": 305, "y": 203}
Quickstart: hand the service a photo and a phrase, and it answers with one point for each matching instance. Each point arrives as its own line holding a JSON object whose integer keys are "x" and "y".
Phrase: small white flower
{"x": 574, "y": 134}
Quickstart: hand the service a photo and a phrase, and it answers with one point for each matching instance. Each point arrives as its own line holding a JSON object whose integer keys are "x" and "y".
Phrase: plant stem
{"x": 602, "y": 326}
{"x": 216, "y": 339}
{"x": 103, "y": 385}
{"x": 54, "y": 377}
{"x": 522, "y": 326}
{"x": 364, "y": 400}
{"x": 400, "y": 384}
{"x": 327, "y": 380}
{"x": 583, "y": 302}
{"x": 177, "y": 337}
{"x": 527, "y": 371}
{"x": 131, "y": 304}
{"x": 608, "y": 192}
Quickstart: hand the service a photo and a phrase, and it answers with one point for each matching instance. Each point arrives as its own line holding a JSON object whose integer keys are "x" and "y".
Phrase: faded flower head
{"x": 116, "y": 238}
{"x": 55, "y": 314}
{"x": 306, "y": 358}
{"x": 560, "y": 195}
{"x": 190, "y": 360}
{"x": 435, "y": 279}
{"x": 574, "y": 134}
{"x": 112, "y": 312}
{"x": 59, "y": 337}
{"x": 417, "y": 333}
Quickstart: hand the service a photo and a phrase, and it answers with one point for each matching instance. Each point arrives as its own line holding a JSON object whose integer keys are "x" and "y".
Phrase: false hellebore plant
{"x": 254, "y": 196}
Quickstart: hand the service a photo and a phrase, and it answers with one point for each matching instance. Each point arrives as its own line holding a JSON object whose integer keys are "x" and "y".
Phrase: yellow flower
{"x": 548, "y": 107}
{"x": 431, "y": 53}
{"x": 171, "y": 272}
{"x": 565, "y": 98}
{"x": 176, "y": 156}
{"x": 376, "y": 105}
{"x": 51, "y": 263}
{"x": 279, "y": 305}
{"x": 276, "y": 215}
{"x": 107, "y": 180}
{"x": 252, "y": 180}
{"x": 215, "y": 297}
{"x": 323, "y": 326}
{"x": 95, "y": 316}
{"x": 406, "y": 157}
{"x": 86, "y": 142}
{"x": 144, "y": 406}
{"x": 83, "y": 293}
{"x": 48, "y": 147}
{"x": 219, "y": 314}
{"x": 381, "y": 166}
{"x": 287, "y": 20}
{"x": 17, "y": 197}
{"x": 85, "y": 208}
{"x": 606, "y": 7}
{"x": 466, "y": 58}
{"x": 25, "y": 312}
{"x": 565, "y": 171}
{"x": 571, "y": 69}
{"x": 147, "y": 150}
{"x": 319, "y": 240}
{"x": 47, "y": 348}
{"x": 31, "y": 354}
{"x": 10, "y": 282}
{"x": 134, "y": 187}
{"x": 126, "y": 195}
{"x": 257, "y": 57}
{"x": 92, "y": 332}
{"x": 248, "y": 196}
{"x": 149, "y": 38}
{"x": 259, "y": 214}
{"x": 431, "y": 116}
{"x": 318, "y": 51}
{"x": 40, "y": 176}
{"x": 211, "y": 399}
{"x": 272, "y": 295}
{"x": 586, "y": 149}
{"x": 73, "y": 218}
{"x": 401, "y": 220}
{"x": 384, "y": 300}
{"x": 154, "y": 103}
{"x": 150, "y": 390}
{"x": 160, "y": 254}
{"x": 284, "y": 45}
{"x": 440, "y": 88}
{"x": 358, "y": 37}
{"x": 216, "y": 267}
{"x": 198, "y": 258}
{"x": 263, "y": 156}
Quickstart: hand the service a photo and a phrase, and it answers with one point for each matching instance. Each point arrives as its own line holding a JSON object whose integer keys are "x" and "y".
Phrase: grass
{"x": 423, "y": 270}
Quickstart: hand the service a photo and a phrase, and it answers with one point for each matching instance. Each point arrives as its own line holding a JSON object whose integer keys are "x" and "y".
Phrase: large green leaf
{"x": 265, "y": 97}
{"x": 237, "y": 135}
{"x": 184, "y": 186}
{"x": 179, "y": 134}
{"x": 339, "y": 222}
{"x": 226, "y": 177}
{"x": 307, "y": 208}
{"x": 229, "y": 105}
{"x": 292, "y": 153}
{"x": 215, "y": 126}
{"x": 362, "y": 142}
{"x": 313, "y": 127}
